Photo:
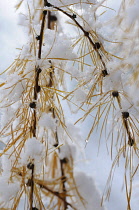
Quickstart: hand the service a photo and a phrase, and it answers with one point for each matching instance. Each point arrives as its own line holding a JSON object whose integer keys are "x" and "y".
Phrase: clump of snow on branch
{"x": 89, "y": 192}
{"x": 47, "y": 121}
{"x": 33, "y": 151}
{"x": 57, "y": 45}
{"x": 8, "y": 190}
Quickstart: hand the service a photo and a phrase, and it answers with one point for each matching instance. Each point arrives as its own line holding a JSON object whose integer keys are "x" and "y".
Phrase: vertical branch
{"x": 63, "y": 179}
{"x": 36, "y": 91}
{"x": 125, "y": 117}
{"x": 50, "y": 24}
{"x": 49, "y": 20}
{"x": 37, "y": 73}
{"x": 41, "y": 34}
{"x": 31, "y": 167}
{"x": 33, "y": 104}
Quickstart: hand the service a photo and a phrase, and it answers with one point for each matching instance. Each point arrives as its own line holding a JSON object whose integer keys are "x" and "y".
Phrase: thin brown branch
{"x": 125, "y": 118}
{"x": 30, "y": 166}
{"x": 57, "y": 194}
{"x": 51, "y": 18}
{"x": 86, "y": 33}
{"x": 33, "y": 104}
{"x": 41, "y": 34}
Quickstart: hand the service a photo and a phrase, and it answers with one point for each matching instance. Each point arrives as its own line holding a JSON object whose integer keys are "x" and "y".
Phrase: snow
{"x": 59, "y": 3}
{"x": 8, "y": 190}
{"x": 132, "y": 13}
{"x": 88, "y": 190}
{"x": 61, "y": 45}
{"x": 33, "y": 151}
{"x": 47, "y": 121}
{"x": 80, "y": 95}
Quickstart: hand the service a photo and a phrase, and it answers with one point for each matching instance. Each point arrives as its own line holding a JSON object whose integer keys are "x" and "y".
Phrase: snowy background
{"x": 97, "y": 164}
